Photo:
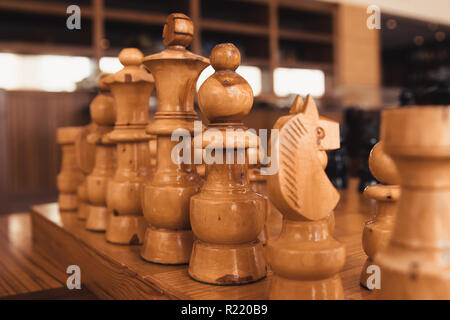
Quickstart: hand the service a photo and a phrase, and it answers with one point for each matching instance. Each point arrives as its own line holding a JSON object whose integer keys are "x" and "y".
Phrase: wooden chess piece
{"x": 305, "y": 258}
{"x": 103, "y": 115}
{"x": 377, "y": 231}
{"x": 70, "y": 176}
{"x": 415, "y": 264}
{"x": 258, "y": 185}
{"x": 227, "y": 216}
{"x": 131, "y": 88}
{"x": 85, "y": 157}
{"x": 168, "y": 238}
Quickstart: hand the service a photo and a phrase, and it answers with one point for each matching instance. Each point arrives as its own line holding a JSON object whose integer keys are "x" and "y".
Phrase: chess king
{"x": 165, "y": 203}
{"x": 305, "y": 258}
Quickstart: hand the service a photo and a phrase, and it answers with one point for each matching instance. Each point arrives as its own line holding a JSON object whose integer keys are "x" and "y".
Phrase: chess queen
{"x": 131, "y": 88}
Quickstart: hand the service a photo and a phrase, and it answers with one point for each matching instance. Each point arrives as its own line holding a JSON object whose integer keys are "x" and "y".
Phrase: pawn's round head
{"x": 131, "y": 57}
{"x": 102, "y": 110}
{"x": 225, "y": 56}
{"x": 382, "y": 166}
{"x": 225, "y": 96}
{"x": 178, "y": 30}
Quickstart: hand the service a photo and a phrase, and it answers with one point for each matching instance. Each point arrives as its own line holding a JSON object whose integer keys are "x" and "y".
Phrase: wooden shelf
{"x": 270, "y": 34}
{"x": 240, "y": 28}
{"x": 326, "y": 67}
{"x": 305, "y": 36}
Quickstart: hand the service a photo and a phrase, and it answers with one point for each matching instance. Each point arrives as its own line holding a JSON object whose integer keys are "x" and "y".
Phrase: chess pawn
{"x": 377, "y": 231}
{"x": 305, "y": 258}
{"x": 85, "y": 156}
{"x": 103, "y": 115}
{"x": 168, "y": 238}
{"x": 70, "y": 175}
{"x": 131, "y": 88}
{"x": 415, "y": 264}
{"x": 227, "y": 215}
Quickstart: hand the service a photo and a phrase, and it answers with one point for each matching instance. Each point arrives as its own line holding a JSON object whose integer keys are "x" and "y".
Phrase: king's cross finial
{"x": 178, "y": 30}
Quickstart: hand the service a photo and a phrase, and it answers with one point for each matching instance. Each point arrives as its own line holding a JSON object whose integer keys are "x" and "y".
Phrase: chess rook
{"x": 377, "y": 231}
{"x": 70, "y": 176}
{"x": 103, "y": 115}
{"x": 168, "y": 238}
{"x": 227, "y": 215}
{"x": 131, "y": 88}
{"x": 415, "y": 264}
{"x": 305, "y": 258}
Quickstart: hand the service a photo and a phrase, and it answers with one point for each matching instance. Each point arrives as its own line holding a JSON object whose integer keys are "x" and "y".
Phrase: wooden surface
{"x": 112, "y": 271}
{"x": 22, "y": 269}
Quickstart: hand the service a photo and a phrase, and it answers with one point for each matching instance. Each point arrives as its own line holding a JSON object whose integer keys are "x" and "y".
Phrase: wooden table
{"x": 117, "y": 272}
{"x": 24, "y": 272}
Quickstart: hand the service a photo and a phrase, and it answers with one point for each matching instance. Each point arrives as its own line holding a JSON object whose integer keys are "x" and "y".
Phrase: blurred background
{"x": 48, "y": 73}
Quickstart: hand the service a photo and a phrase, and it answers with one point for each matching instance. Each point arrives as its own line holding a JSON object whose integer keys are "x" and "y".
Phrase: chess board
{"x": 118, "y": 272}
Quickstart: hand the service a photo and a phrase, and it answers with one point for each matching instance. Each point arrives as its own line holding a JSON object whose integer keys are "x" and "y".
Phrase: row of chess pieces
{"x": 118, "y": 173}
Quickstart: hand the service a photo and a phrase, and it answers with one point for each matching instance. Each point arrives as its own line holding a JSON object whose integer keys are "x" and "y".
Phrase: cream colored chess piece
{"x": 168, "y": 238}
{"x": 377, "y": 231}
{"x": 305, "y": 258}
{"x": 103, "y": 115}
{"x": 131, "y": 88}
{"x": 416, "y": 264}
{"x": 227, "y": 216}
{"x": 70, "y": 175}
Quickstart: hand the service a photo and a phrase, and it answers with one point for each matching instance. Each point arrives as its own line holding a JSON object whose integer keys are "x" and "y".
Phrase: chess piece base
{"x": 68, "y": 201}
{"x": 288, "y": 289}
{"x": 83, "y": 210}
{"x": 227, "y": 264}
{"x": 412, "y": 274}
{"x": 167, "y": 246}
{"x": 127, "y": 230}
{"x": 97, "y": 219}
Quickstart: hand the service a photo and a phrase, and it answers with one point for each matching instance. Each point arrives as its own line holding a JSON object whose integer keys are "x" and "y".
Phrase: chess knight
{"x": 305, "y": 258}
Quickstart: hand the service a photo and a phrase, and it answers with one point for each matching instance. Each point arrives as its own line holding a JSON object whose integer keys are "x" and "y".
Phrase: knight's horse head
{"x": 301, "y": 188}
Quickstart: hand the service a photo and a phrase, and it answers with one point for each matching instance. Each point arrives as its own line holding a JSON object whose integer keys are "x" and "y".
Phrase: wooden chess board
{"x": 118, "y": 272}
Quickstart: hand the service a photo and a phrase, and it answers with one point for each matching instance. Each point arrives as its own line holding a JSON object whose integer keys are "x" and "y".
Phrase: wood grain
{"x": 117, "y": 272}
{"x": 23, "y": 269}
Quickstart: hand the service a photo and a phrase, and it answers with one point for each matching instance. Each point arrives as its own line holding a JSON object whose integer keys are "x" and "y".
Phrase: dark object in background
{"x": 337, "y": 166}
{"x": 436, "y": 94}
{"x": 362, "y": 133}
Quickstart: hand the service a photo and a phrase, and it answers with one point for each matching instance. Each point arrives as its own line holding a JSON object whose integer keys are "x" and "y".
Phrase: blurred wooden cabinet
{"x": 29, "y": 155}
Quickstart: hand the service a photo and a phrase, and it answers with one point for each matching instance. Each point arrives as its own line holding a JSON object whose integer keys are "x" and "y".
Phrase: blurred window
{"x": 298, "y": 81}
{"x": 43, "y": 72}
{"x": 110, "y": 65}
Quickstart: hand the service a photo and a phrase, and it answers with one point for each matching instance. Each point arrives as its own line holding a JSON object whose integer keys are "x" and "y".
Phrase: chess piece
{"x": 168, "y": 238}
{"x": 258, "y": 185}
{"x": 70, "y": 175}
{"x": 131, "y": 88}
{"x": 305, "y": 258}
{"x": 415, "y": 264}
{"x": 377, "y": 231}
{"x": 85, "y": 157}
{"x": 103, "y": 115}
{"x": 227, "y": 216}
